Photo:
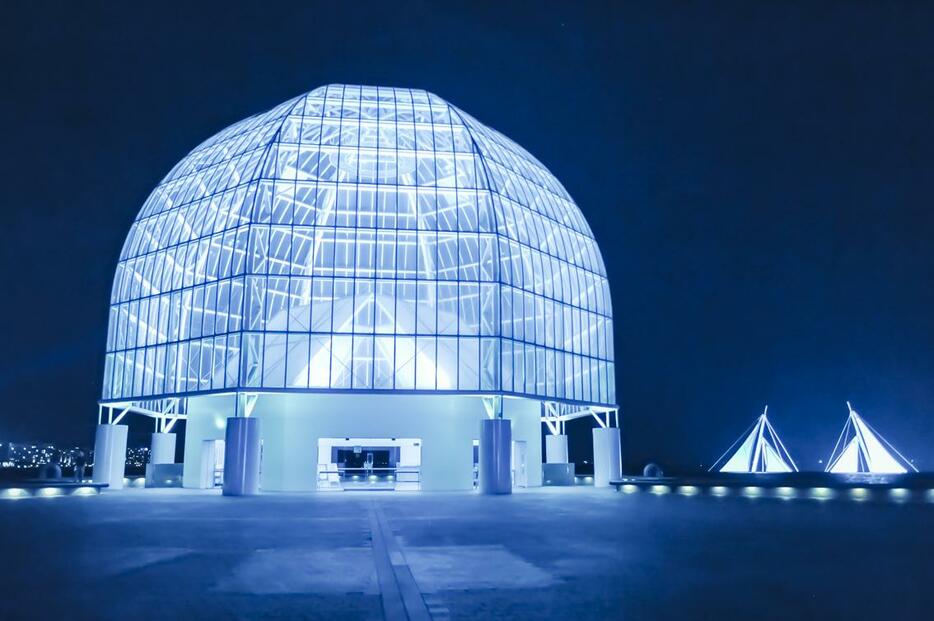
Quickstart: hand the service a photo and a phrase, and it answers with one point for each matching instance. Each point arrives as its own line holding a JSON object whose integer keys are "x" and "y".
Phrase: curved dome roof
{"x": 360, "y": 238}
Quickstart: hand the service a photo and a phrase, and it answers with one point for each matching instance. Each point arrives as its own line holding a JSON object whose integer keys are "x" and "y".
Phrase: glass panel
{"x": 321, "y": 304}
{"x": 297, "y": 363}
{"x": 274, "y": 357}
{"x": 469, "y": 364}
{"x": 277, "y": 303}
{"x": 446, "y": 363}
{"x": 383, "y": 360}
{"x": 385, "y": 308}
{"x": 362, "y": 361}
{"x": 252, "y": 359}
{"x": 489, "y": 364}
{"x": 405, "y": 363}
{"x": 319, "y": 366}
{"x": 364, "y": 306}
{"x": 341, "y": 358}
{"x": 425, "y": 363}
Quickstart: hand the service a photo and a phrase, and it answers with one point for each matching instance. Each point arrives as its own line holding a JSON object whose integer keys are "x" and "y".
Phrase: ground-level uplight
{"x": 751, "y": 491}
{"x": 786, "y": 493}
{"x": 687, "y": 490}
{"x": 821, "y": 493}
{"x": 660, "y": 489}
{"x": 859, "y": 494}
{"x": 899, "y": 494}
{"x": 719, "y": 491}
{"x": 629, "y": 488}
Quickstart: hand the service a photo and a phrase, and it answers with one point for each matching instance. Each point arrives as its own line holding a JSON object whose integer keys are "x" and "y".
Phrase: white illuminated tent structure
{"x": 861, "y": 450}
{"x": 760, "y": 450}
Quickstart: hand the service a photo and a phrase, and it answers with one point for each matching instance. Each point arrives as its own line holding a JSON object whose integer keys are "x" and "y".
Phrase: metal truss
{"x": 555, "y": 415}
{"x": 165, "y": 412}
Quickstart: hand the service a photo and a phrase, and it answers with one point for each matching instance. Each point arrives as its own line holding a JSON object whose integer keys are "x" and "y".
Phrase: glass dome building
{"x": 361, "y": 243}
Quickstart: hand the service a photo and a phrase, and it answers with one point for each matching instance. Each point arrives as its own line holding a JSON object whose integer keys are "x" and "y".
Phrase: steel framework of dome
{"x": 360, "y": 238}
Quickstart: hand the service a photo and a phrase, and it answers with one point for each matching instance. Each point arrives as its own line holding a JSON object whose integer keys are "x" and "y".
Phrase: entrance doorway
{"x": 520, "y": 471}
{"x": 388, "y": 464}
{"x": 212, "y": 464}
{"x": 518, "y": 463}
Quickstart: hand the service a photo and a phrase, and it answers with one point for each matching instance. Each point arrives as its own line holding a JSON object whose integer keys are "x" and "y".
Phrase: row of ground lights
{"x": 859, "y": 494}
{"x": 14, "y": 493}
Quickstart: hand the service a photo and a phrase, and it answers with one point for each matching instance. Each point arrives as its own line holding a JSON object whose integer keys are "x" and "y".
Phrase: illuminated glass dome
{"x": 360, "y": 238}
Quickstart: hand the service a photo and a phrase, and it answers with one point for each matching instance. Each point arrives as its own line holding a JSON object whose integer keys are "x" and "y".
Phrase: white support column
{"x": 110, "y": 455}
{"x": 496, "y": 456}
{"x": 162, "y": 449}
{"x": 556, "y": 449}
{"x": 241, "y": 457}
{"x": 607, "y": 456}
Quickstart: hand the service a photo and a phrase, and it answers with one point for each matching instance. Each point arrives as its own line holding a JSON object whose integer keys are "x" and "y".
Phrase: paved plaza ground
{"x": 570, "y": 553}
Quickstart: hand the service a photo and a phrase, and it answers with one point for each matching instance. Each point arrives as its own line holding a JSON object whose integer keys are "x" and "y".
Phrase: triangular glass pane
{"x": 774, "y": 461}
{"x": 848, "y": 461}
{"x": 879, "y": 459}
{"x": 739, "y": 462}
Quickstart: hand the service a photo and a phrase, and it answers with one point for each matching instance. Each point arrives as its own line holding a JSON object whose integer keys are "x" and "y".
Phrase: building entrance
{"x": 387, "y": 464}
{"x": 212, "y": 464}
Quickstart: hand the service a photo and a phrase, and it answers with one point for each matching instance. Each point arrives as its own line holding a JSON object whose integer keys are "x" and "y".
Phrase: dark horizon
{"x": 757, "y": 178}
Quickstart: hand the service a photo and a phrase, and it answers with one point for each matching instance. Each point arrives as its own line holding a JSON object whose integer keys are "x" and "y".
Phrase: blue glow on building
{"x": 360, "y": 239}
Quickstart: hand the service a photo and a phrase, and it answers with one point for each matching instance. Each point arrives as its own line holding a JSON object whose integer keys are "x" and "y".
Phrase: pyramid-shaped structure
{"x": 758, "y": 450}
{"x": 861, "y": 450}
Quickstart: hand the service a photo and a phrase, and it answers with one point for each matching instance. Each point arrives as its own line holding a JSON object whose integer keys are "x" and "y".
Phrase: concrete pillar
{"x": 241, "y": 457}
{"x": 162, "y": 449}
{"x": 556, "y": 449}
{"x": 496, "y": 456}
{"x": 110, "y": 455}
{"x": 607, "y": 457}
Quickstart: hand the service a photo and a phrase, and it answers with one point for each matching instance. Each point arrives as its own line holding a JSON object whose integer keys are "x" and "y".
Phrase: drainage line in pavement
{"x": 402, "y": 599}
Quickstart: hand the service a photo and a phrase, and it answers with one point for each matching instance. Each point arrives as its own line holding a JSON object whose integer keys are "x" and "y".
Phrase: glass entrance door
{"x": 374, "y": 464}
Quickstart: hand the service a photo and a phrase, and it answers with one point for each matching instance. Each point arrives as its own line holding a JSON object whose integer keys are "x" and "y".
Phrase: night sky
{"x": 758, "y": 176}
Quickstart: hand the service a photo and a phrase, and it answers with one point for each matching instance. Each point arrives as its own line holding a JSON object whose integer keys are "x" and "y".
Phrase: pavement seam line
{"x": 411, "y": 595}
{"x": 393, "y": 606}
